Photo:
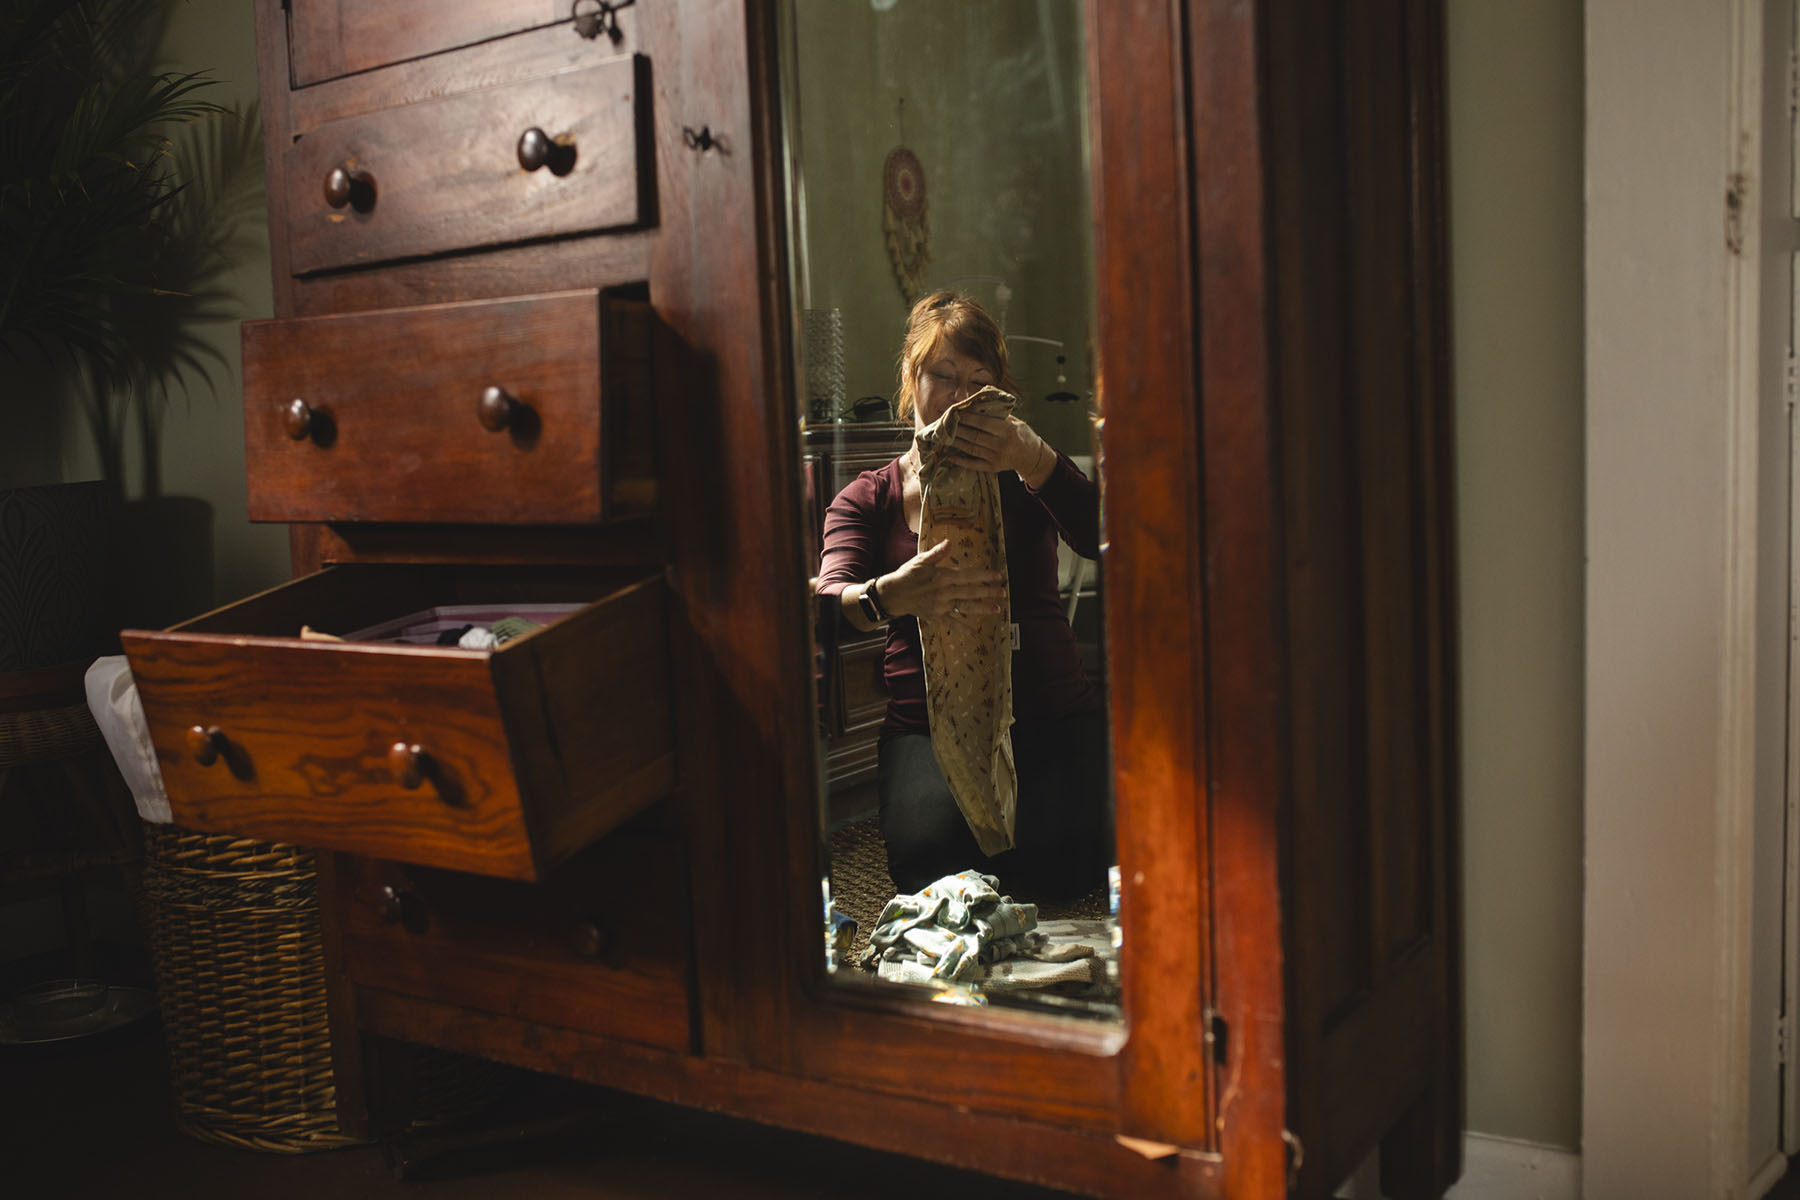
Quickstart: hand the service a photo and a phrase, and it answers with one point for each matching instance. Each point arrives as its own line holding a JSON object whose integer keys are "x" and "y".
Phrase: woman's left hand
{"x": 985, "y": 443}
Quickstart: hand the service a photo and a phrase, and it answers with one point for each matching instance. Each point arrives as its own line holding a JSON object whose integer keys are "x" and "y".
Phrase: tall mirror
{"x": 941, "y": 266}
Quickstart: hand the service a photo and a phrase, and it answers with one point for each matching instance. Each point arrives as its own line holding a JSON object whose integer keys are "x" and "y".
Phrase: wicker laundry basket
{"x": 234, "y": 934}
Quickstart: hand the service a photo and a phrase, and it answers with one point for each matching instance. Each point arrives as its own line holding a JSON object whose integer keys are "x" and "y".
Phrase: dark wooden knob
{"x": 346, "y": 186}
{"x": 407, "y": 762}
{"x": 590, "y": 939}
{"x": 395, "y": 905}
{"x": 205, "y": 742}
{"x": 296, "y": 418}
{"x": 495, "y": 409}
{"x": 535, "y": 148}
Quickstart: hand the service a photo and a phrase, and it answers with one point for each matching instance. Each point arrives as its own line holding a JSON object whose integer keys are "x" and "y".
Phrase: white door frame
{"x": 1672, "y": 119}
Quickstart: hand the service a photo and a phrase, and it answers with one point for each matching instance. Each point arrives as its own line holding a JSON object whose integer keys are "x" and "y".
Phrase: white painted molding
{"x": 1494, "y": 1168}
{"x": 1670, "y": 646}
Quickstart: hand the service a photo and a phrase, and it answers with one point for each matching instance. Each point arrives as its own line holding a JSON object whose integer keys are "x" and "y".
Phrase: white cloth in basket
{"x": 112, "y": 697}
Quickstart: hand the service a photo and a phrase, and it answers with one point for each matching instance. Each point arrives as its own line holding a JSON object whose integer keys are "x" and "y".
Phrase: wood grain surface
{"x": 395, "y": 433}
{"x": 1268, "y": 198}
{"x": 525, "y": 763}
{"x": 447, "y": 176}
{"x": 331, "y": 37}
{"x": 1362, "y": 397}
{"x": 579, "y": 951}
{"x": 1086, "y": 1163}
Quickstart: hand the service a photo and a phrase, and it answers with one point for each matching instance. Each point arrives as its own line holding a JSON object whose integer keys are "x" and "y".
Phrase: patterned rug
{"x": 860, "y": 885}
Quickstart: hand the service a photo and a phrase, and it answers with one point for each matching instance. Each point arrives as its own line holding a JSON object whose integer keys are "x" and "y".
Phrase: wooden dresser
{"x": 533, "y": 344}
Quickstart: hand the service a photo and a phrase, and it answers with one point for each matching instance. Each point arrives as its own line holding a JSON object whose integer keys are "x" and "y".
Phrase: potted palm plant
{"x": 122, "y": 194}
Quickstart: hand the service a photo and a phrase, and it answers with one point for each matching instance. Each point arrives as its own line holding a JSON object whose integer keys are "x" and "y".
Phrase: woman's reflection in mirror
{"x": 871, "y": 560}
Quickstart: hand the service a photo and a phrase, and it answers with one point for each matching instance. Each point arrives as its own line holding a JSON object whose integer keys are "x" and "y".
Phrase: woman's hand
{"x": 924, "y": 587}
{"x": 986, "y": 443}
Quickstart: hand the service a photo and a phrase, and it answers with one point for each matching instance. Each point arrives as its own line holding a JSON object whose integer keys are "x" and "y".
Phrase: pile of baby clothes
{"x": 961, "y": 931}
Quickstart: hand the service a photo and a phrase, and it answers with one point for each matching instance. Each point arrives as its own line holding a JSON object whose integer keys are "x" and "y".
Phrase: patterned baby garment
{"x": 968, "y": 667}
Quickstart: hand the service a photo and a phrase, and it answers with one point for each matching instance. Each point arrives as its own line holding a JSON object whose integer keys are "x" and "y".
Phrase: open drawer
{"x": 499, "y": 762}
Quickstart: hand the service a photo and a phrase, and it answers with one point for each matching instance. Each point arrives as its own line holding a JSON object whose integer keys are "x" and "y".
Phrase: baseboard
{"x": 1494, "y": 1168}
{"x": 1768, "y": 1177}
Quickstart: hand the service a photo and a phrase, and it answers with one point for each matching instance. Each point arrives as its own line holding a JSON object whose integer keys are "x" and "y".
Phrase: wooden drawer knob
{"x": 539, "y": 149}
{"x": 407, "y": 761}
{"x": 296, "y": 418}
{"x": 396, "y": 906}
{"x": 535, "y": 148}
{"x": 590, "y": 939}
{"x": 206, "y": 743}
{"x": 347, "y": 186}
{"x": 496, "y": 409}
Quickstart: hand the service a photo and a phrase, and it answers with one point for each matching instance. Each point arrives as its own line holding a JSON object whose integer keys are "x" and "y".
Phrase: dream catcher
{"x": 903, "y": 220}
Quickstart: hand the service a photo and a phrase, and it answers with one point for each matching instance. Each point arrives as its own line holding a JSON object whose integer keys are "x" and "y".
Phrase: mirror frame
{"x": 1184, "y": 809}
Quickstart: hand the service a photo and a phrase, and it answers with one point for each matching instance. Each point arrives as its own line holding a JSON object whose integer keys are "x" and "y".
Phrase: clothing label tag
{"x": 1015, "y": 635}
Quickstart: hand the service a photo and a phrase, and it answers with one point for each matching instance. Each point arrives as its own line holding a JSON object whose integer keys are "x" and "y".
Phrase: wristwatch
{"x": 870, "y": 602}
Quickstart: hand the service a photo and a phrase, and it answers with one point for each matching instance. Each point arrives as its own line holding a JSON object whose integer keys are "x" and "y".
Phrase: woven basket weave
{"x": 234, "y": 933}
{"x": 47, "y": 733}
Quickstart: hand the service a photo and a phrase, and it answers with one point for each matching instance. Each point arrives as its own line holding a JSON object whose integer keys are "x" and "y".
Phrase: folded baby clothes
{"x": 948, "y": 931}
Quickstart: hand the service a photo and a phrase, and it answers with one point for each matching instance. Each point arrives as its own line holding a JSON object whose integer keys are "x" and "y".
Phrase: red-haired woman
{"x": 872, "y": 562}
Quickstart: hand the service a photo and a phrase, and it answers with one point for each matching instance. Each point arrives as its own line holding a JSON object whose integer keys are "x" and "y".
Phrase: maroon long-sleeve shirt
{"x": 866, "y": 536}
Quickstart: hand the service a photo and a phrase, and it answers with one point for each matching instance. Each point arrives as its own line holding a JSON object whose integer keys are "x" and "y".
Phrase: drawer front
{"x": 388, "y": 416}
{"x": 500, "y": 763}
{"x": 329, "y": 38}
{"x": 601, "y": 947}
{"x": 865, "y": 686}
{"x": 448, "y": 175}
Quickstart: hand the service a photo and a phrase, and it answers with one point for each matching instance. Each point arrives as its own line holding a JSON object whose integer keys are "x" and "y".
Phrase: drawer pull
{"x": 496, "y": 409}
{"x": 538, "y": 149}
{"x": 206, "y": 743}
{"x": 345, "y": 185}
{"x": 296, "y": 418}
{"x": 397, "y": 907}
{"x": 590, "y": 939}
{"x": 409, "y": 763}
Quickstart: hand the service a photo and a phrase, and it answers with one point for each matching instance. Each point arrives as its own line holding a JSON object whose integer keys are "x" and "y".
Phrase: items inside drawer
{"x": 410, "y": 604}
{"x": 465, "y": 626}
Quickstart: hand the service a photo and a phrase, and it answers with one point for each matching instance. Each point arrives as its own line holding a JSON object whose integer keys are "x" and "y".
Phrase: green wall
{"x": 203, "y": 433}
{"x": 1515, "y": 94}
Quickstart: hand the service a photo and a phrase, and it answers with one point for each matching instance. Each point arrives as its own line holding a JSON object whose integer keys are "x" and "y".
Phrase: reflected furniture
{"x": 532, "y": 342}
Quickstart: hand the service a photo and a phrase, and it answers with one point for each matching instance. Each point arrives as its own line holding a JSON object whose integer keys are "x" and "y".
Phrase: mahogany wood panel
{"x": 580, "y": 951}
{"x": 524, "y": 763}
{"x": 376, "y": 1097}
{"x": 331, "y": 37}
{"x": 532, "y": 55}
{"x": 742, "y": 642}
{"x": 1088, "y": 1164}
{"x": 1362, "y": 393}
{"x": 865, "y": 693}
{"x": 1041, "y": 1069}
{"x": 637, "y": 541}
{"x": 393, "y": 428}
{"x": 446, "y": 173}
{"x": 1149, "y": 446}
{"x": 618, "y": 261}
{"x": 1212, "y": 116}
{"x": 1422, "y": 1155}
{"x": 1248, "y": 751}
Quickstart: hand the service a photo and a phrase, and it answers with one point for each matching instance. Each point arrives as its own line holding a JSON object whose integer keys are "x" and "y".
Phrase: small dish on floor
{"x": 70, "y": 1008}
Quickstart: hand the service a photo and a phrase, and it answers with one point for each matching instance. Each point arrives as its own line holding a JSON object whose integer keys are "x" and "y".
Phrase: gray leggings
{"x": 1062, "y": 840}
